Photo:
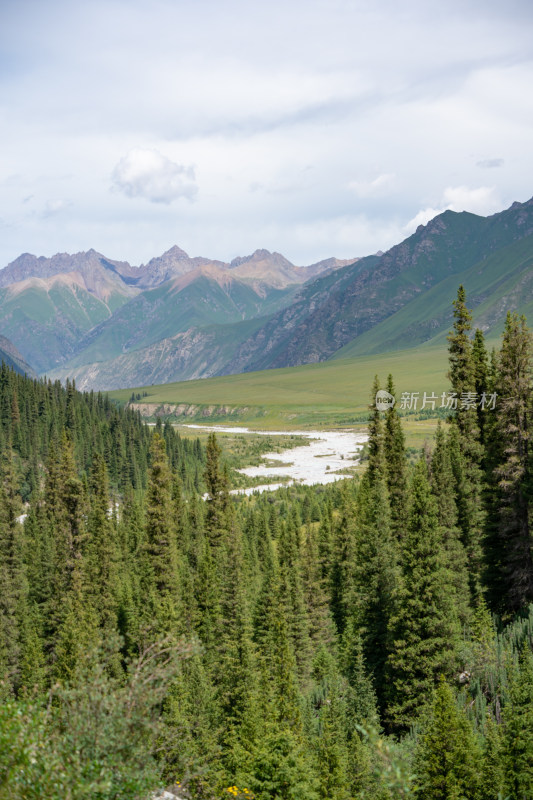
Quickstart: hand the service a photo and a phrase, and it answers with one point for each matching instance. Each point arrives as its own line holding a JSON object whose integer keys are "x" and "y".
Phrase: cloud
{"x": 490, "y": 163}
{"x": 371, "y": 188}
{"x": 53, "y": 207}
{"x": 359, "y": 90}
{"x": 149, "y": 174}
{"x": 422, "y": 218}
{"x": 482, "y": 200}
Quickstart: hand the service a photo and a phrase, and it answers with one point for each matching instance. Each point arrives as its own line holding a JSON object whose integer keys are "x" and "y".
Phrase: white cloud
{"x": 373, "y": 187}
{"x": 149, "y": 174}
{"x": 252, "y": 95}
{"x": 422, "y": 218}
{"x": 53, "y": 207}
{"x": 482, "y": 200}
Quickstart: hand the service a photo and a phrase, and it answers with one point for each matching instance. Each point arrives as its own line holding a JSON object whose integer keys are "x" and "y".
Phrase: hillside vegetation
{"x": 367, "y": 640}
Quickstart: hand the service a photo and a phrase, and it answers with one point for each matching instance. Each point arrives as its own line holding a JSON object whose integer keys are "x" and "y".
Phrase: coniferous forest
{"x": 366, "y": 640}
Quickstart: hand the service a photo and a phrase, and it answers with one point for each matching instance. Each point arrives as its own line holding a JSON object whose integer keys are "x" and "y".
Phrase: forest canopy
{"x": 366, "y": 640}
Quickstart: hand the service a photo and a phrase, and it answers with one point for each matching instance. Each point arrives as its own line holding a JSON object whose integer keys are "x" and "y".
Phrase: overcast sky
{"x": 314, "y": 128}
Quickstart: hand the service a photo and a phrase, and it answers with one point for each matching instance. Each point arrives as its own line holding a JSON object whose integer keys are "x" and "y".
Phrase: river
{"x": 316, "y": 462}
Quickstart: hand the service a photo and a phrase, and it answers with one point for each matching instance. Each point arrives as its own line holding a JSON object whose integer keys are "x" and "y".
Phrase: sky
{"x": 312, "y": 128}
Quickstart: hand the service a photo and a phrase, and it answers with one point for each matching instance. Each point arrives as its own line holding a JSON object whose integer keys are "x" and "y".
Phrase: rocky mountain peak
{"x": 176, "y": 253}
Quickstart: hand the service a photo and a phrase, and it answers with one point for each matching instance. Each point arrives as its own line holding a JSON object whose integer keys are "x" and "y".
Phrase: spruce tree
{"x": 518, "y": 730}
{"x": 442, "y": 486}
{"x": 423, "y": 627}
{"x": 481, "y": 377}
{"x": 448, "y": 756}
{"x": 373, "y": 577}
{"x": 12, "y": 574}
{"x": 102, "y": 549}
{"x": 377, "y": 465}
{"x": 508, "y": 539}
{"x": 216, "y": 481}
{"x": 236, "y": 676}
{"x": 332, "y": 744}
{"x": 292, "y": 593}
{"x": 342, "y": 562}
{"x": 163, "y": 610}
{"x": 394, "y": 451}
{"x": 492, "y": 774}
{"x": 321, "y": 626}
{"x": 468, "y": 456}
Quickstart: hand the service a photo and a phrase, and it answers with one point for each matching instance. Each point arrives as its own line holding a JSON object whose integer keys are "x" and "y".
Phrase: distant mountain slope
{"x": 137, "y": 332}
{"x": 99, "y": 275}
{"x": 52, "y": 308}
{"x": 503, "y": 281}
{"x": 47, "y": 317}
{"x": 12, "y": 358}
{"x": 366, "y": 294}
{"x": 195, "y": 353}
{"x": 206, "y": 296}
{"x": 171, "y": 264}
{"x": 381, "y": 303}
{"x": 196, "y": 323}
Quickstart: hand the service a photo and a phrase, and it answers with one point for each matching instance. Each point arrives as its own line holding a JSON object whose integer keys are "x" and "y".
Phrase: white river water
{"x": 316, "y": 462}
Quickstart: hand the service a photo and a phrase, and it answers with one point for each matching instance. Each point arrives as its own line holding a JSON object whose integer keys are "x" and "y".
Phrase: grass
{"x": 332, "y": 393}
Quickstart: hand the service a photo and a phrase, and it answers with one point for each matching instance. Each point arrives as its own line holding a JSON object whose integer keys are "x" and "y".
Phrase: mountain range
{"x": 109, "y": 325}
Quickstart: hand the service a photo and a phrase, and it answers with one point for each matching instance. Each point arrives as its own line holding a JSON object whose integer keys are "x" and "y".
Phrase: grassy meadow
{"x": 329, "y": 394}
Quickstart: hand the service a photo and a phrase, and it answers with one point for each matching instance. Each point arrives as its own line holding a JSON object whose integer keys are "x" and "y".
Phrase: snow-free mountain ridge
{"x": 111, "y": 325}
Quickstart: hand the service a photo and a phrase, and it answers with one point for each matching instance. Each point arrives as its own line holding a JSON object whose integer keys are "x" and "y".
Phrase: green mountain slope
{"x": 503, "y": 280}
{"x": 201, "y": 298}
{"x": 10, "y": 356}
{"x": 67, "y": 323}
{"x": 46, "y": 318}
{"x": 195, "y": 353}
{"x": 319, "y": 324}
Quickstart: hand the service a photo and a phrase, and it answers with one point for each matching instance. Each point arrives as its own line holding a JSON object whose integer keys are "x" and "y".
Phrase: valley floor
{"x": 326, "y": 457}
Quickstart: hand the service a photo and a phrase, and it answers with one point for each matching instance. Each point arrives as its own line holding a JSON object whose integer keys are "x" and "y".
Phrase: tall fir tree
{"x": 374, "y": 577}
{"x": 13, "y": 580}
{"x": 481, "y": 377}
{"x": 442, "y": 486}
{"x": 423, "y": 628}
{"x": 395, "y": 456}
{"x": 467, "y": 464}
{"x": 163, "y": 602}
{"x": 216, "y": 481}
{"x": 508, "y": 530}
{"x": 518, "y": 730}
{"x": 102, "y": 549}
{"x": 448, "y": 757}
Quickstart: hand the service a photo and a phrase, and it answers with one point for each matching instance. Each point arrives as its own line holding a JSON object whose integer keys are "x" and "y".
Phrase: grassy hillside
{"x": 10, "y": 356}
{"x": 314, "y": 395}
{"x": 436, "y": 258}
{"x": 502, "y": 281}
{"x": 160, "y": 313}
{"x": 191, "y": 354}
{"x": 47, "y": 319}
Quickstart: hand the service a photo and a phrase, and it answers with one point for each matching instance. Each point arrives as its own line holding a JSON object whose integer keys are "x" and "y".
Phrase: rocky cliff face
{"x": 101, "y": 275}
